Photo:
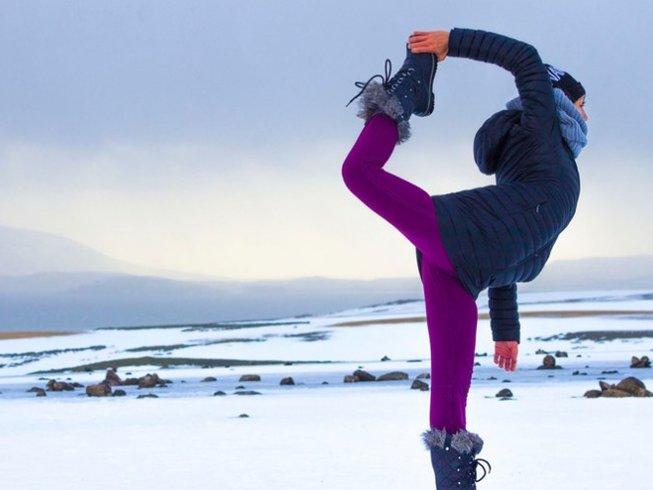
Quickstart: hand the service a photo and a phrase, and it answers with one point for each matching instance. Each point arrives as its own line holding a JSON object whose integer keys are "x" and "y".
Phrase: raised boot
{"x": 453, "y": 457}
{"x": 409, "y": 91}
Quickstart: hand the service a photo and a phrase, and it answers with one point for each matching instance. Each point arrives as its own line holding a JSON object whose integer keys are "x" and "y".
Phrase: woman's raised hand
{"x": 436, "y": 42}
{"x": 505, "y": 354}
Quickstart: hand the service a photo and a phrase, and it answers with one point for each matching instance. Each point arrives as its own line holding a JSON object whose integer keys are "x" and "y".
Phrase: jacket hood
{"x": 491, "y": 138}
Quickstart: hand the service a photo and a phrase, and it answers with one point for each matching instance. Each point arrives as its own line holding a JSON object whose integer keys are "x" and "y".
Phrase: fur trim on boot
{"x": 453, "y": 457}
{"x": 375, "y": 99}
{"x": 462, "y": 441}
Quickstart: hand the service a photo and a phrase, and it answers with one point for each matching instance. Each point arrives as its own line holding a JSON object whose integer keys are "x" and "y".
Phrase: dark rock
{"x": 643, "y": 362}
{"x": 549, "y": 362}
{"x": 219, "y": 393}
{"x": 385, "y": 358}
{"x": 419, "y": 385}
{"x": 575, "y": 373}
{"x": 130, "y": 382}
{"x": 613, "y": 371}
{"x": 148, "y": 395}
{"x": 424, "y": 376}
{"x": 364, "y": 375}
{"x": 209, "y": 379}
{"x": 287, "y": 363}
{"x": 100, "y": 389}
{"x": 630, "y": 384}
{"x": 505, "y": 392}
{"x": 325, "y": 382}
{"x": 615, "y": 393}
{"x": 34, "y": 389}
{"x": 41, "y": 392}
{"x": 112, "y": 378}
{"x": 250, "y": 377}
{"x": 243, "y": 416}
{"x": 239, "y": 387}
{"x": 119, "y": 393}
{"x": 54, "y": 385}
{"x": 393, "y": 376}
{"x": 349, "y": 378}
{"x": 592, "y": 394}
{"x": 561, "y": 353}
{"x": 287, "y": 381}
{"x": 149, "y": 381}
{"x": 541, "y": 351}
{"x": 641, "y": 392}
{"x": 246, "y": 392}
{"x": 506, "y": 381}
{"x": 604, "y": 386}
{"x": 491, "y": 378}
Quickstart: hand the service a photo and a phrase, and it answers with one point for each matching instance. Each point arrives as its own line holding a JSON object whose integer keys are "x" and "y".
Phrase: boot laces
{"x": 478, "y": 462}
{"x": 384, "y": 79}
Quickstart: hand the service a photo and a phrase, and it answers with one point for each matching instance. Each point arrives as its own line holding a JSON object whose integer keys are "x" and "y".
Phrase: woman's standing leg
{"x": 451, "y": 317}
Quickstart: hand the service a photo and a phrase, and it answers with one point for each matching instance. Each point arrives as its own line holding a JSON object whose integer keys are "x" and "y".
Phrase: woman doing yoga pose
{"x": 488, "y": 237}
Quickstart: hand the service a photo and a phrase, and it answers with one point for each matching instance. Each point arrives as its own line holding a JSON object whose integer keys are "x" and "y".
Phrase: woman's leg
{"x": 404, "y": 205}
{"x": 450, "y": 309}
{"x": 451, "y": 317}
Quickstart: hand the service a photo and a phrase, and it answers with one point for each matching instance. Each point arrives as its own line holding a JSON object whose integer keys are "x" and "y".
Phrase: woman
{"x": 489, "y": 237}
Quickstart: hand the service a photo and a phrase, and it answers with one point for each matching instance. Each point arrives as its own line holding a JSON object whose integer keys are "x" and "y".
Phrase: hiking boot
{"x": 453, "y": 457}
{"x": 409, "y": 91}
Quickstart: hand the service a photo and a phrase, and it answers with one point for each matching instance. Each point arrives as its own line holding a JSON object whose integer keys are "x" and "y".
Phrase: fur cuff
{"x": 375, "y": 99}
{"x": 462, "y": 441}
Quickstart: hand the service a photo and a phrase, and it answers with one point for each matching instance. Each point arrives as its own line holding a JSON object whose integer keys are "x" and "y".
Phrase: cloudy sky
{"x": 208, "y": 136}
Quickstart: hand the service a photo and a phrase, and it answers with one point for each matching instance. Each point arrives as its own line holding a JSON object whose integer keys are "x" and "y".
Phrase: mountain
{"x": 53, "y": 283}
{"x": 28, "y": 252}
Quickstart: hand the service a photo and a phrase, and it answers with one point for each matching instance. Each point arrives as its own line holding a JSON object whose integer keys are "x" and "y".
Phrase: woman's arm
{"x": 519, "y": 58}
{"x": 504, "y": 321}
{"x": 504, "y": 315}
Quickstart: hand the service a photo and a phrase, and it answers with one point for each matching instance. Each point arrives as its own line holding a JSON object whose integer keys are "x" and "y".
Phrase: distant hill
{"x": 50, "y": 282}
{"x": 29, "y": 252}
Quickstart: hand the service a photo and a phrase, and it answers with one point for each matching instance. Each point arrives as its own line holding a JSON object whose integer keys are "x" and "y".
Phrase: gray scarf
{"x": 572, "y": 125}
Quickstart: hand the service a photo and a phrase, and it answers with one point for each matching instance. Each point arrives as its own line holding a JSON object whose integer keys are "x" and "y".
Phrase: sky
{"x": 208, "y": 136}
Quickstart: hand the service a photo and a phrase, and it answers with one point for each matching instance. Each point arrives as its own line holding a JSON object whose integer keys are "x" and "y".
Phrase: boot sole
{"x": 431, "y": 104}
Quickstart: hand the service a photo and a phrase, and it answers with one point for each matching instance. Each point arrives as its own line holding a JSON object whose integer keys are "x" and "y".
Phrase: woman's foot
{"x": 453, "y": 457}
{"x": 409, "y": 91}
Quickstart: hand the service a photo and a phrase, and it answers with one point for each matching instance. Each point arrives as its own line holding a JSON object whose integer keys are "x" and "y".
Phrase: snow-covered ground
{"x": 335, "y": 435}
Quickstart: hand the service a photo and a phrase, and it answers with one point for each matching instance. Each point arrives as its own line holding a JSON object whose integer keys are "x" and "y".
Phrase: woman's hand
{"x": 436, "y": 42}
{"x": 505, "y": 354}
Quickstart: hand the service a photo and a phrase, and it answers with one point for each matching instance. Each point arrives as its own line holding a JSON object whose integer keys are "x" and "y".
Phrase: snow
{"x": 335, "y": 436}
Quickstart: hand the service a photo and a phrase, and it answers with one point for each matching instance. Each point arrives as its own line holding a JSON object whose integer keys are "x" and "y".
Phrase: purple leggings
{"x": 451, "y": 312}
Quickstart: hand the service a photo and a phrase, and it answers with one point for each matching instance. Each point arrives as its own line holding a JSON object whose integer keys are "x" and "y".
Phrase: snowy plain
{"x": 336, "y": 435}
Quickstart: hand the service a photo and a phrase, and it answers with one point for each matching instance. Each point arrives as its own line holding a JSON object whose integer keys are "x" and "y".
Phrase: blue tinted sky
{"x": 208, "y": 136}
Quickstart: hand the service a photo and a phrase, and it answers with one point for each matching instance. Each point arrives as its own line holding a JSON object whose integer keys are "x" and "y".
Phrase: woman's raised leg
{"x": 404, "y": 205}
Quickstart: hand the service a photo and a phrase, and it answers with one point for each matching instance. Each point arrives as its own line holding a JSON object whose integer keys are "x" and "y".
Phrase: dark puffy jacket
{"x": 501, "y": 234}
